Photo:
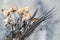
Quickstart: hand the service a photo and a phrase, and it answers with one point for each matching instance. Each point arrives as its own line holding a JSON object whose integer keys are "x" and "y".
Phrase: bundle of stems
{"x": 23, "y": 28}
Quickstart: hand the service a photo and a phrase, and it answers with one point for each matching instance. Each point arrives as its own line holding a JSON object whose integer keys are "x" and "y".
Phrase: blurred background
{"x": 50, "y": 28}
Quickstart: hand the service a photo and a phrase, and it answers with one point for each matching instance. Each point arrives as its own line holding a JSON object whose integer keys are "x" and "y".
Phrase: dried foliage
{"x": 22, "y": 25}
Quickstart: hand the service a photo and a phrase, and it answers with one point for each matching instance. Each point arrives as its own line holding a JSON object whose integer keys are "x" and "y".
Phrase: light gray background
{"x": 51, "y": 27}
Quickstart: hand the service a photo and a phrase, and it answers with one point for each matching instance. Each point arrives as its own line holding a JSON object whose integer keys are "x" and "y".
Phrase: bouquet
{"x": 21, "y": 24}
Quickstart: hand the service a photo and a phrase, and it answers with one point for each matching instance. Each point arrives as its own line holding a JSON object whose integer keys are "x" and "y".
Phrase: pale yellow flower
{"x": 20, "y": 11}
{"x": 26, "y": 9}
{"x": 6, "y": 12}
{"x": 23, "y": 10}
{"x": 7, "y": 21}
{"x": 13, "y": 9}
{"x": 26, "y": 16}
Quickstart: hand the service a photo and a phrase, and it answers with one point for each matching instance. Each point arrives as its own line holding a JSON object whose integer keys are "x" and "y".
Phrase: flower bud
{"x": 34, "y": 19}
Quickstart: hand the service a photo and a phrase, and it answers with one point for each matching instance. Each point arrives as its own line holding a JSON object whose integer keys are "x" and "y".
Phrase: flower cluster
{"x": 19, "y": 21}
{"x": 22, "y": 16}
{"x": 24, "y": 12}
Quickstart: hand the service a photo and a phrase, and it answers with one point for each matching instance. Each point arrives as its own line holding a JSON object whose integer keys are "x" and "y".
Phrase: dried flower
{"x": 26, "y": 16}
{"x": 34, "y": 19}
{"x": 26, "y": 9}
{"x": 7, "y": 20}
{"x": 12, "y": 9}
{"x": 23, "y": 11}
{"x": 6, "y": 12}
{"x": 20, "y": 11}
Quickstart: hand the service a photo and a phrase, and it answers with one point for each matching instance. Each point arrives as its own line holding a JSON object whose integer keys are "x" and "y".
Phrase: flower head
{"x": 6, "y": 12}
{"x": 26, "y": 9}
{"x": 26, "y": 16}
{"x": 34, "y": 19}
{"x": 12, "y": 9}
{"x": 7, "y": 20}
{"x": 23, "y": 11}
